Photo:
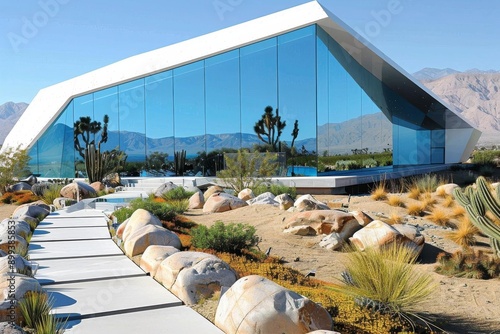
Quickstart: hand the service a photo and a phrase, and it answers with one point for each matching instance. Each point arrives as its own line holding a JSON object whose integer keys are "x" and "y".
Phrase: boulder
{"x": 257, "y": 305}
{"x": 137, "y": 242}
{"x": 8, "y": 240}
{"x": 20, "y": 186}
{"x": 194, "y": 275}
{"x": 379, "y": 234}
{"x": 10, "y": 328}
{"x": 285, "y": 201}
{"x": 32, "y": 210}
{"x": 121, "y": 229}
{"x": 15, "y": 263}
{"x": 20, "y": 227}
{"x": 324, "y": 222}
{"x": 412, "y": 237}
{"x": 265, "y": 198}
{"x": 447, "y": 188}
{"x": 153, "y": 256}
{"x": 40, "y": 188}
{"x": 13, "y": 287}
{"x": 139, "y": 219}
{"x": 76, "y": 187}
{"x": 246, "y": 194}
{"x": 164, "y": 188}
{"x": 31, "y": 180}
{"x": 308, "y": 202}
{"x": 98, "y": 186}
{"x": 32, "y": 222}
{"x": 212, "y": 190}
{"x": 112, "y": 180}
{"x": 196, "y": 201}
{"x": 62, "y": 202}
{"x": 221, "y": 202}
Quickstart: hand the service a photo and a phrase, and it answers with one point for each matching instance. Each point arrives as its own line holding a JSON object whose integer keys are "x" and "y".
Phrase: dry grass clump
{"x": 468, "y": 264}
{"x": 414, "y": 193}
{"x": 448, "y": 202}
{"x": 441, "y": 192}
{"x": 428, "y": 201}
{"x": 439, "y": 217}
{"x": 415, "y": 209}
{"x": 394, "y": 218}
{"x": 458, "y": 211}
{"x": 395, "y": 200}
{"x": 465, "y": 234}
{"x": 379, "y": 193}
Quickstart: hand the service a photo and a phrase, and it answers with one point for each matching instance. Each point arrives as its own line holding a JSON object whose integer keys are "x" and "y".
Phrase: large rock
{"x": 121, "y": 229}
{"x": 32, "y": 221}
{"x": 40, "y": 188}
{"x": 246, "y": 194}
{"x": 137, "y": 242}
{"x": 447, "y": 188}
{"x": 221, "y": 202}
{"x": 196, "y": 201}
{"x": 309, "y": 203}
{"x": 11, "y": 240}
{"x": 139, "y": 219}
{"x": 379, "y": 234}
{"x": 13, "y": 287}
{"x": 76, "y": 187}
{"x": 153, "y": 256}
{"x": 194, "y": 275}
{"x": 212, "y": 190}
{"x": 63, "y": 202}
{"x": 20, "y": 186}
{"x": 31, "y": 180}
{"x": 112, "y": 180}
{"x": 33, "y": 210}
{"x": 257, "y": 305}
{"x": 10, "y": 328}
{"x": 164, "y": 188}
{"x": 265, "y": 198}
{"x": 323, "y": 222}
{"x": 98, "y": 186}
{"x": 285, "y": 201}
{"x": 15, "y": 263}
{"x": 20, "y": 227}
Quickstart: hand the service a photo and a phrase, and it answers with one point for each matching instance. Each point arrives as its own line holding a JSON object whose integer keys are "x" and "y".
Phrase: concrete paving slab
{"x": 67, "y": 234}
{"x": 77, "y": 213}
{"x": 72, "y": 249}
{"x": 65, "y": 222}
{"x": 84, "y": 269}
{"x": 107, "y": 297}
{"x": 180, "y": 319}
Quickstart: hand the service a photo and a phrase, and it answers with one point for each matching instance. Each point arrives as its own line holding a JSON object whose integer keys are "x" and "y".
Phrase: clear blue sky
{"x": 43, "y": 42}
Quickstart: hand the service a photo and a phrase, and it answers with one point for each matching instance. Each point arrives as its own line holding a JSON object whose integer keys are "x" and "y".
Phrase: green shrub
{"x": 348, "y": 165}
{"x": 48, "y": 324}
{"x": 164, "y": 211}
{"x": 276, "y": 189}
{"x": 486, "y": 157}
{"x": 384, "y": 279}
{"x": 122, "y": 214}
{"x": 53, "y": 192}
{"x": 425, "y": 184}
{"x": 178, "y": 193}
{"x": 468, "y": 264}
{"x": 370, "y": 163}
{"x": 33, "y": 306}
{"x": 231, "y": 238}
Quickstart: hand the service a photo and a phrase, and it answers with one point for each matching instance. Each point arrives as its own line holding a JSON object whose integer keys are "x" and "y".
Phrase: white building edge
{"x": 460, "y": 139}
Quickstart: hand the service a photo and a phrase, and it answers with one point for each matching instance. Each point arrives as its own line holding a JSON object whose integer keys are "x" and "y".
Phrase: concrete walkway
{"x": 97, "y": 288}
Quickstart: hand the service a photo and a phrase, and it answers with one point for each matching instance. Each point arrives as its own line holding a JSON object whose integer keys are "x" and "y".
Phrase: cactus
{"x": 179, "y": 162}
{"x": 94, "y": 164}
{"x": 476, "y": 202}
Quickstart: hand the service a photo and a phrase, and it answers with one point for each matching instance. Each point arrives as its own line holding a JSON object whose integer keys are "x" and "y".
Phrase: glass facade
{"x": 213, "y": 104}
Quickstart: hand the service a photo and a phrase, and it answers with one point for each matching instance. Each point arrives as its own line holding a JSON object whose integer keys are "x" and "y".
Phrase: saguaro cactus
{"x": 179, "y": 162}
{"x": 476, "y": 202}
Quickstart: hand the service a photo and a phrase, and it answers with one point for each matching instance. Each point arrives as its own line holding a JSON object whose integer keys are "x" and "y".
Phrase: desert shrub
{"x": 468, "y": 264}
{"x": 53, "y": 192}
{"x": 348, "y": 165}
{"x": 33, "y": 306}
{"x": 458, "y": 211}
{"x": 465, "y": 234}
{"x": 178, "y": 205}
{"x": 370, "y": 163}
{"x": 384, "y": 279}
{"x": 122, "y": 214}
{"x": 414, "y": 193}
{"x": 231, "y": 238}
{"x": 7, "y": 198}
{"x": 448, "y": 202}
{"x": 486, "y": 157}
{"x": 276, "y": 189}
{"x": 49, "y": 324}
{"x": 415, "y": 209}
{"x": 426, "y": 183}
{"x": 178, "y": 193}
{"x": 395, "y": 200}
{"x": 164, "y": 211}
{"x": 379, "y": 192}
{"x": 13, "y": 163}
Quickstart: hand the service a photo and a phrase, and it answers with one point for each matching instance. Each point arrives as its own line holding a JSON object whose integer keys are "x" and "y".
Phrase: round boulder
{"x": 194, "y": 275}
{"x": 139, "y": 219}
{"x": 32, "y": 210}
{"x": 246, "y": 194}
{"x": 137, "y": 242}
{"x": 153, "y": 256}
{"x": 164, "y": 188}
{"x": 76, "y": 187}
{"x": 308, "y": 203}
{"x": 285, "y": 201}
{"x": 255, "y": 304}
{"x": 221, "y": 202}
{"x": 20, "y": 186}
{"x": 212, "y": 190}
{"x": 196, "y": 201}
{"x": 20, "y": 227}
{"x": 265, "y": 198}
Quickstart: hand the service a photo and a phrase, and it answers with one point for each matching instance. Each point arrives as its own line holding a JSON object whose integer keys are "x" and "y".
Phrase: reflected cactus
{"x": 179, "y": 162}
{"x": 476, "y": 202}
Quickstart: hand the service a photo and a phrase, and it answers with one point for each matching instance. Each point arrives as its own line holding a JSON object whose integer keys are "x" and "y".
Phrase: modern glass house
{"x": 206, "y": 94}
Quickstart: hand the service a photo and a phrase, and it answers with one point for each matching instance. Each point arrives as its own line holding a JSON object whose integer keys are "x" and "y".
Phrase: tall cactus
{"x": 476, "y": 202}
{"x": 94, "y": 163}
{"x": 179, "y": 162}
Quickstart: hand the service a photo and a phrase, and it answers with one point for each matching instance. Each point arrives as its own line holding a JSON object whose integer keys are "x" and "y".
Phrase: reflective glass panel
{"x": 132, "y": 120}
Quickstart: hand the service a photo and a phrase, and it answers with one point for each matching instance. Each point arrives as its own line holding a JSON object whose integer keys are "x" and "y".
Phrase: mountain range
{"x": 474, "y": 94}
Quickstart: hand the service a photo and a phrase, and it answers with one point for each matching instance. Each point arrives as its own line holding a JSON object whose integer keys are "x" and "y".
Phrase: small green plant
{"x": 425, "y": 184}
{"x": 276, "y": 189}
{"x": 348, "y": 165}
{"x": 33, "y": 306}
{"x": 48, "y": 324}
{"x": 13, "y": 163}
{"x": 178, "y": 193}
{"x": 122, "y": 214}
{"x": 53, "y": 192}
{"x": 384, "y": 279}
{"x": 231, "y": 238}
{"x": 468, "y": 264}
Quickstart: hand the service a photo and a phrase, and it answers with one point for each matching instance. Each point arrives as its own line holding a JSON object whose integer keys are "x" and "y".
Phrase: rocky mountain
{"x": 9, "y": 114}
{"x": 430, "y": 74}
